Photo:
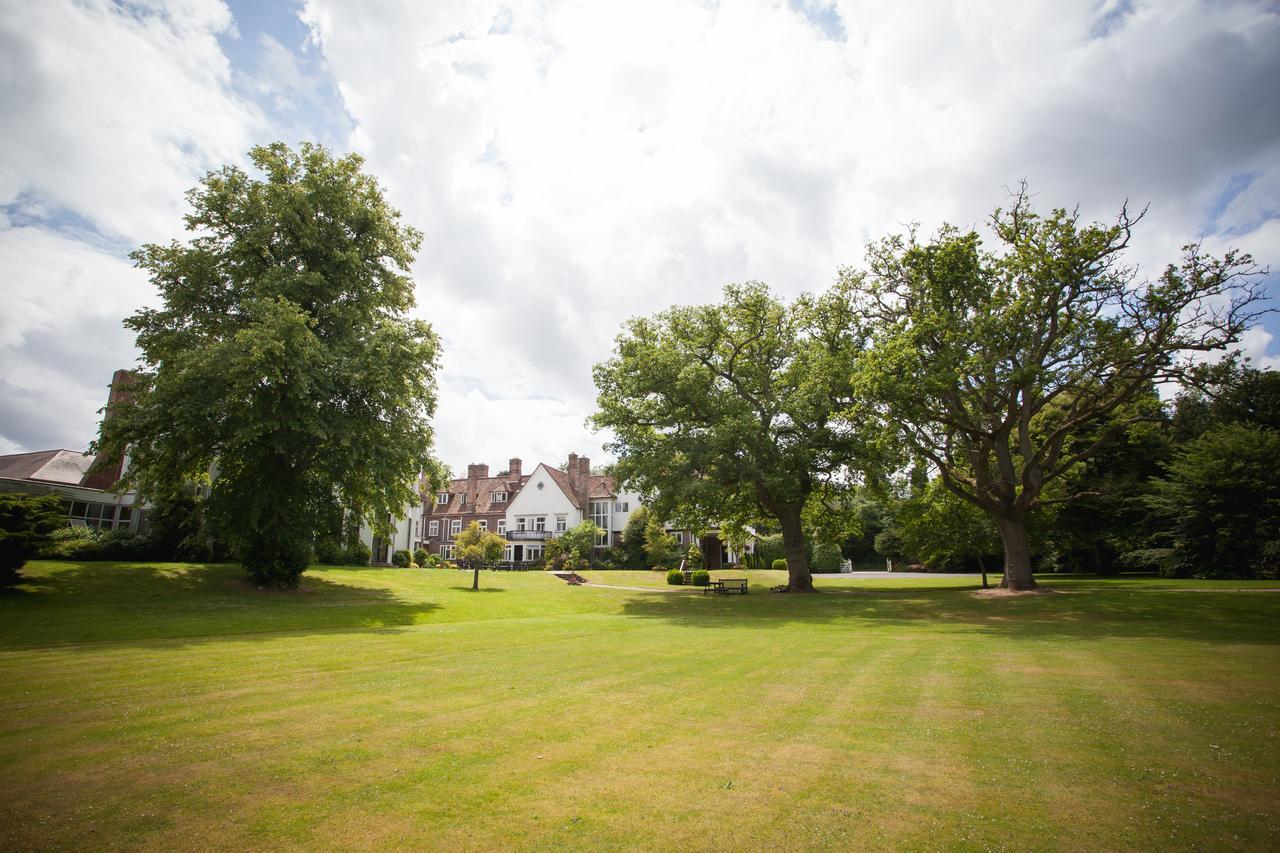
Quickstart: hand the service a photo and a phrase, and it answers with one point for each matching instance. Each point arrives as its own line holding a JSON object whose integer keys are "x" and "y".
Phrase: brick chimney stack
{"x": 581, "y": 479}
{"x": 121, "y": 394}
{"x": 477, "y": 471}
{"x": 513, "y": 474}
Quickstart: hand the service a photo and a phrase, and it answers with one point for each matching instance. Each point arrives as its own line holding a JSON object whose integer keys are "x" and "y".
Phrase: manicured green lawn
{"x": 164, "y": 707}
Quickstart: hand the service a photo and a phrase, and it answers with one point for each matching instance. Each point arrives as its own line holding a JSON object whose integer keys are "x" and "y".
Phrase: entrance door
{"x": 517, "y": 553}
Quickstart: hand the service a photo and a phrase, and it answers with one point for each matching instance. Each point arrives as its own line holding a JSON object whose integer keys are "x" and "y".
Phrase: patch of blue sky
{"x": 33, "y": 210}
{"x": 303, "y": 106}
{"x": 1235, "y": 186}
{"x": 1111, "y": 17}
{"x": 823, "y": 17}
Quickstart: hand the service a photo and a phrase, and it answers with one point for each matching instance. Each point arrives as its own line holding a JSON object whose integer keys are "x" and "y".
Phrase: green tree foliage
{"x": 659, "y": 545}
{"x": 1220, "y": 504}
{"x": 693, "y": 557}
{"x": 573, "y": 547}
{"x": 944, "y": 531}
{"x": 474, "y": 545}
{"x": 994, "y": 365}
{"x": 27, "y": 523}
{"x": 1108, "y": 517}
{"x": 282, "y": 359}
{"x": 727, "y": 412}
{"x": 633, "y": 539}
{"x": 826, "y": 557}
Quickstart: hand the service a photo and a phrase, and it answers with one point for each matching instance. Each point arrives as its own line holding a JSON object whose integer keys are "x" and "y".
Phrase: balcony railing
{"x": 528, "y": 535}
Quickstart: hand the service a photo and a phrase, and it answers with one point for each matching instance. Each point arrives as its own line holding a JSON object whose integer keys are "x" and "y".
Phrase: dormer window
{"x": 442, "y": 498}
{"x": 499, "y": 497}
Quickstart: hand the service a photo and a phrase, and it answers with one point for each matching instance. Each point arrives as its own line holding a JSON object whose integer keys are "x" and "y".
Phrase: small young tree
{"x": 633, "y": 537}
{"x": 994, "y": 365}
{"x": 474, "y": 545}
{"x": 27, "y": 523}
{"x": 659, "y": 546}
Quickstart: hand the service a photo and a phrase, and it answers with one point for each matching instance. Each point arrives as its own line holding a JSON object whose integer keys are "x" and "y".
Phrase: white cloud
{"x": 112, "y": 111}
{"x": 579, "y": 163}
{"x": 576, "y": 163}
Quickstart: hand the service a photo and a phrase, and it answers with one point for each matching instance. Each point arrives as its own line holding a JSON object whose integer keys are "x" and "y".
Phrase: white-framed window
{"x": 442, "y": 498}
{"x": 498, "y": 498}
{"x": 502, "y": 527}
{"x": 679, "y": 537}
{"x": 540, "y": 522}
{"x": 455, "y": 526}
{"x": 484, "y": 523}
{"x": 506, "y": 553}
{"x": 98, "y": 516}
{"x": 446, "y": 552}
{"x": 561, "y": 523}
{"x": 622, "y": 506}
{"x": 433, "y": 529}
{"x": 600, "y": 517}
{"x": 520, "y": 522}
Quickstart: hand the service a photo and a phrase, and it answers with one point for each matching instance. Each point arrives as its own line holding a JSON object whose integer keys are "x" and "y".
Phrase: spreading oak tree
{"x": 282, "y": 369}
{"x": 1004, "y": 368}
{"x": 729, "y": 413}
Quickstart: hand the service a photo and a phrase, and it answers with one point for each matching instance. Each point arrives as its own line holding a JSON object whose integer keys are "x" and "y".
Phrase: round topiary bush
{"x": 701, "y": 577}
{"x": 780, "y": 564}
{"x": 675, "y": 577}
{"x": 401, "y": 558}
{"x": 420, "y": 556}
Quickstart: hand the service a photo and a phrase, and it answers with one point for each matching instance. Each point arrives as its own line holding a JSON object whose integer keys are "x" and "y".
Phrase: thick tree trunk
{"x": 475, "y": 575}
{"x": 1017, "y": 555}
{"x": 798, "y": 577}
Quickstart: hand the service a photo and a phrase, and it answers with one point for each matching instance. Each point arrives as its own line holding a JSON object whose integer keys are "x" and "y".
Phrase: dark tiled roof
{"x": 601, "y": 486}
{"x": 479, "y": 496}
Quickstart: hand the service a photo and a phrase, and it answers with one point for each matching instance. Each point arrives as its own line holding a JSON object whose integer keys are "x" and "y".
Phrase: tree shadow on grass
{"x": 1202, "y": 615}
{"x": 127, "y": 603}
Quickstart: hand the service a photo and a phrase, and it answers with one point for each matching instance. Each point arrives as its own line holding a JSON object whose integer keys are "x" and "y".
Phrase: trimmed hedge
{"x": 780, "y": 564}
{"x": 701, "y": 577}
{"x": 675, "y": 577}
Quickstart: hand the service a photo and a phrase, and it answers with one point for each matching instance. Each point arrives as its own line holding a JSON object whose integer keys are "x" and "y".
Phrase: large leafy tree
{"x": 282, "y": 368}
{"x": 994, "y": 365}
{"x": 727, "y": 413}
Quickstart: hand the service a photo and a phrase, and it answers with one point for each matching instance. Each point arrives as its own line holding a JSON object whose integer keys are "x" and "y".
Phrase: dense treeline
{"x": 1190, "y": 490}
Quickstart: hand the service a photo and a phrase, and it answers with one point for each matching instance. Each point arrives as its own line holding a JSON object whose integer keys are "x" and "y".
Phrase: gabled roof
{"x": 478, "y": 502}
{"x": 601, "y": 486}
{"x": 46, "y": 466}
{"x": 566, "y": 486}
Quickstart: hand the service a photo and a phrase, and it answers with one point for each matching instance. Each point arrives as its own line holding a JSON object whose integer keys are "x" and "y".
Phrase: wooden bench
{"x": 726, "y": 586}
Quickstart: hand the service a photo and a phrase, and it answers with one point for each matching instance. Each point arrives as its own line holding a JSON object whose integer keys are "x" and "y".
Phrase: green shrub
{"x": 701, "y": 577}
{"x": 356, "y": 554}
{"x": 433, "y": 561}
{"x": 826, "y": 558}
{"x": 780, "y": 564}
{"x": 401, "y": 559}
{"x": 329, "y": 552}
{"x": 65, "y": 543}
{"x": 27, "y": 523}
{"x": 675, "y": 577}
{"x": 770, "y": 548}
{"x": 420, "y": 556}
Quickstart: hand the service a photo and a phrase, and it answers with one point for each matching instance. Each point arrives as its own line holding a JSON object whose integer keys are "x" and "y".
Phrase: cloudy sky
{"x": 574, "y": 164}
